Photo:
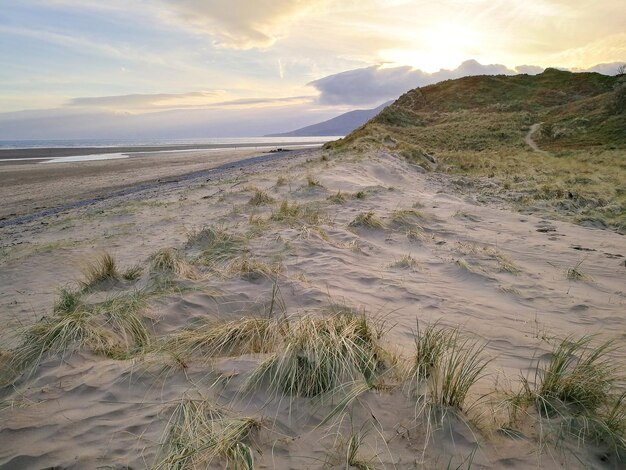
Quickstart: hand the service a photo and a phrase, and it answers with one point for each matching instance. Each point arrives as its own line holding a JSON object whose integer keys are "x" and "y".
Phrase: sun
{"x": 444, "y": 45}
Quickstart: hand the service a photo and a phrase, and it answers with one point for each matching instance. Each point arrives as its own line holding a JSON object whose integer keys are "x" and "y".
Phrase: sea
{"x": 30, "y": 151}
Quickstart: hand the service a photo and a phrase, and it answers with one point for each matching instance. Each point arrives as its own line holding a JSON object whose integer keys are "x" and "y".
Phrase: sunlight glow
{"x": 445, "y": 45}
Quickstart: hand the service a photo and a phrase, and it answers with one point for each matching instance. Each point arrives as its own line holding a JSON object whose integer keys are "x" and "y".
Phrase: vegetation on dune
{"x": 115, "y": 328}
{"x": 199, "y": 432}
{"x": 319, "y": 355}
{"x": 476, "y": 126}
{"x": 577, "y": 395}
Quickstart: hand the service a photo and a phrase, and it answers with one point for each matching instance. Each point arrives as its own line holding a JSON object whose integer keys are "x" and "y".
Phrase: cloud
{"x": 147, "y": 101}
{"x": 196, "y": 99}
{"x": 241, "y": 24}
{"x": 376, "y": 84}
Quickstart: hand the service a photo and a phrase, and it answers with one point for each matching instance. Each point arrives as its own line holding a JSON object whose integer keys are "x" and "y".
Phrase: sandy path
{"x": 529, "y": 138}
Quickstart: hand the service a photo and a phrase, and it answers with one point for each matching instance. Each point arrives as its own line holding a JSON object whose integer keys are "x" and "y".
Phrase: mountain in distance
{"x": 339, "y": 125}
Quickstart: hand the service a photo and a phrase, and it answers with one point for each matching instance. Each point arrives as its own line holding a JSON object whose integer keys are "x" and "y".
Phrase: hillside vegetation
{"x": 476, "y": 127}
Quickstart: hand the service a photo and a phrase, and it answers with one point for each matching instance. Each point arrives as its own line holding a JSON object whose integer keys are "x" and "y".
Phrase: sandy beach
{"x": 371, "y": 234}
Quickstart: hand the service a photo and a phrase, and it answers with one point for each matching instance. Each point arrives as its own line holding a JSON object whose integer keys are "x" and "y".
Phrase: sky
{"x": 192, "y": 68}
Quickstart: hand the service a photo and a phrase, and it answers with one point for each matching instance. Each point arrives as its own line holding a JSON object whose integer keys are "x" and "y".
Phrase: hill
{"x": 339, "y": 125}
{"x": 476, "y": 126}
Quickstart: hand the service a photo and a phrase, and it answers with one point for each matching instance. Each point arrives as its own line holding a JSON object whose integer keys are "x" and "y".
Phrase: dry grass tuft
{"x": 169, "y": 261}
{"x": 259, "y": 198}
{"x": 320, "y": 355}
{"x": 234, "y": 338}
{"x": 217, "y": 245}
{"x": 367, "y": 220}
{"x": 253, "y": 269}
{"x": 114, "y": 328}
{"x": 444, "y": 368}
{"x": 297, "y": 214}
{"x": 338, "y": 197}
{"x": 104, "y": 268}
{"x": 406, "y": 262}
{"x": 198, "y": 432}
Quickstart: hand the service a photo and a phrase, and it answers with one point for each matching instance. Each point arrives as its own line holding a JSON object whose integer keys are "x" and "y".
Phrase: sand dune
{"x": 503, "y": 278}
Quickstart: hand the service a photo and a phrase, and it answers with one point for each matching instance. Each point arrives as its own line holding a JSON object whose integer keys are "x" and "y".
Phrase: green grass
{"x": 133, "y": 272}
{"x": 199, "y": 433}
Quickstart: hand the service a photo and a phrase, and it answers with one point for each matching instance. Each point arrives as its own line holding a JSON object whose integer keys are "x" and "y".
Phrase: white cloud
{"x": 376, "y": 84}
{"x": 241, "y": 24}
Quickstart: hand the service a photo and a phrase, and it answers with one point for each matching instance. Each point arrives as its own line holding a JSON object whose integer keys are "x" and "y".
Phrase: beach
{"x": 368, "y": 234}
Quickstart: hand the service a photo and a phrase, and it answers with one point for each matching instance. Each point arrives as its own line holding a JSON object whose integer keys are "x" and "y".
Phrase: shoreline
{"x": 57, "y": 152}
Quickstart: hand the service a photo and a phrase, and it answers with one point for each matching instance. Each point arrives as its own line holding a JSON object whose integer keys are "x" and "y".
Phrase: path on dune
{"x": 169, "y": 183}
{"x": 529, "y": 138}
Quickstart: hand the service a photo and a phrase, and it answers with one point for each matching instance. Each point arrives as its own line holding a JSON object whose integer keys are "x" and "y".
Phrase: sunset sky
{"x": 315, "y": 57}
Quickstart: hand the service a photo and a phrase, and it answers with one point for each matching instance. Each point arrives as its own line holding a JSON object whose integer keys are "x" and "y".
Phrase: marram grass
{"x": 319, "y": 354}
{"x": 198, "y": 433}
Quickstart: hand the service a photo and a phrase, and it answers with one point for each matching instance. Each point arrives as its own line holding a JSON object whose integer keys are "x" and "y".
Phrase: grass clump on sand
{"x": 114, "y": 328}
{"x": 447, "y": 364}
{"x": 235, "y": 338}
{"x": 198, "y": 432}
{"x": 311, "y": 182}
{"x": 216, "y": 245}
{"x": 406, "y": 217}
{"x": 253, "y": 269}
{"x": 169, "y": 261}
{"x": 338, "y": 197}
{"x": 575, "y": 395}
{"x": 320, "y": 354}
{"x": 104, "y": 268}
{"x": 406, "y": 262}
{"x": 259, "y": 198}
{"x": 297, "y": 214}
{"x": 368, "y": 220}
{"x": 578, "y": 378}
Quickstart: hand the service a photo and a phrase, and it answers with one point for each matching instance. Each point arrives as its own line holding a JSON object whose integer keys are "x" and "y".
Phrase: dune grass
{"x": 216, "y": 244}
{"x": 114, "y": 328}
{"x": 253, "y": 269}
{"x": 406, "y": 262}
{"x": 234, "y": 338}
{"x": 406, "y": 217}
{"x": 319, "y": 354}
{"x": 133, "y": 273}
{"x": 444, "y": 367}
{"x": 260, "y": 198}
{"x": 367, "y": 220}
{"x": 103, "y": 268}
{"x": 338, "y": 197}
{"x": 575, "y": 396}
{"x": 295, "y": 214}
{"x": 198, "y": 433}
{"x": 579, "y": 378}
{"x": 170, "y": 262}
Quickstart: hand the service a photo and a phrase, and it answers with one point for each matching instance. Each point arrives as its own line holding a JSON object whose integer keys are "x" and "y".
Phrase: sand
{"x": 498, "y": 275}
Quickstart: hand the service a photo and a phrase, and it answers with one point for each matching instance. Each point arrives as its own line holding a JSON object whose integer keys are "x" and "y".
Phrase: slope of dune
{"x": 358, "y": 252}
{"x": 475, "y": 127}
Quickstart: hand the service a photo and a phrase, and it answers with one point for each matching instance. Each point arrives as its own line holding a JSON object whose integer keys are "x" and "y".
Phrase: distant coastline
{"x": 9, "y": 153}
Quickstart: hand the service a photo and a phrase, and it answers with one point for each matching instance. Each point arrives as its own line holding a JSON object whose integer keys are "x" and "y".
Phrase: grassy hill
{"x": 476, "y": 127}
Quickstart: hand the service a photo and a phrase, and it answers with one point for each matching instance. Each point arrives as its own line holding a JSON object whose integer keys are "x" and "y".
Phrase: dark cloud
{"x": 377, "y": 84}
